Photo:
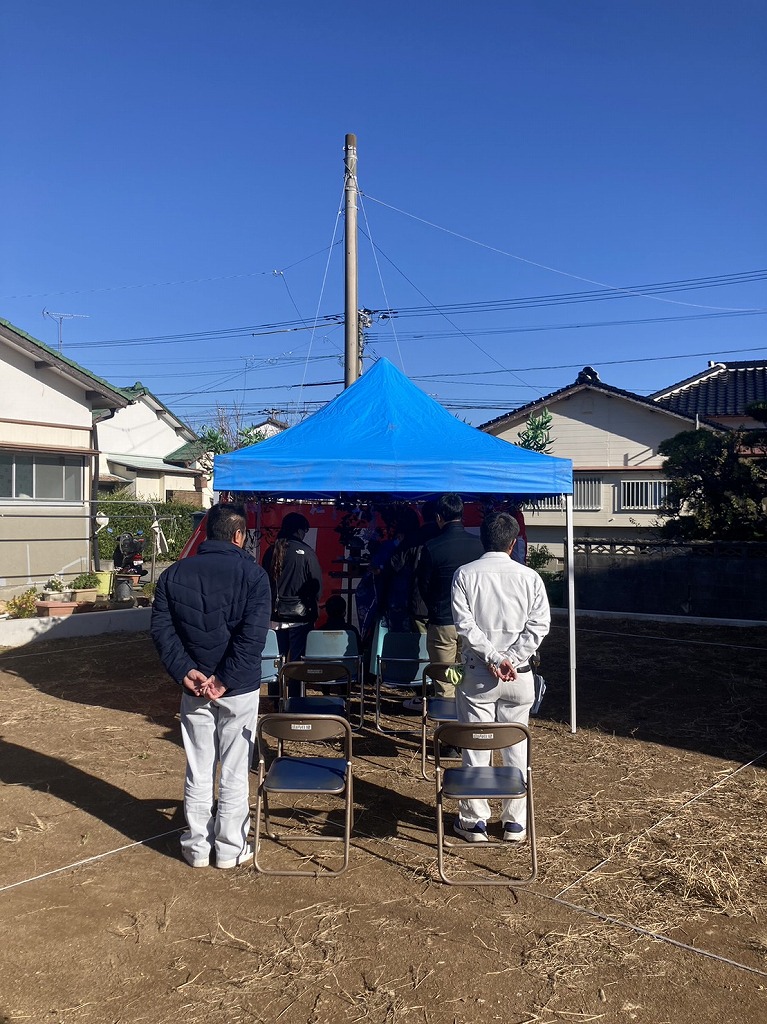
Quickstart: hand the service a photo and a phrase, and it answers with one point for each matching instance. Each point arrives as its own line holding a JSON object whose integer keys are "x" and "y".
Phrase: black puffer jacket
{"x": 211, "y": 612}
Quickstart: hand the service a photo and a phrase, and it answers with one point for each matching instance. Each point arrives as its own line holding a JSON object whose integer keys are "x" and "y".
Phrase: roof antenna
{"x": 60, "y": 317}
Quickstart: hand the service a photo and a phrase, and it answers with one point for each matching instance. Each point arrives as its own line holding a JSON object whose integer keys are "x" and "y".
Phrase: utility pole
{"x": 351, "y": 315}
{"x": 60, "y": 317}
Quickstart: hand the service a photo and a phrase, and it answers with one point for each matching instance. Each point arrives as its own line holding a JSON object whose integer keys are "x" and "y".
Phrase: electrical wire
{"x": 471, "y": 340}
{"x": 380, "y": 278}
{"x": 604, "y": 362}
{"x": 543, "y": 266}
{"x": 322, "y": 287}
{"x": 163, "y": 284}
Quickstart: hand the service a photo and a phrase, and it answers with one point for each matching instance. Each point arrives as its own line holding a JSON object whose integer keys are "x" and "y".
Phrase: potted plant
{"x": 85, "y": 586}
{"x": 55, "y": 589}
{"x": 23, "y": 606}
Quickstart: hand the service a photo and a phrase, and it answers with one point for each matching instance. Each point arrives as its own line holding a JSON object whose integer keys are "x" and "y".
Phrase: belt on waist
{"x": 523, "y": 668}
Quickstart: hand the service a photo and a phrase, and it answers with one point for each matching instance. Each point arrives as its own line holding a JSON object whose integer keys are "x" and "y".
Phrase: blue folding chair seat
{"x": 304, "y": 775}
{"x": 398, "y": 673}
{"x": 484, "y": 783}
{"x": 434, "y": 710}
{"x": 338, "y": 645}
{"x": 271, "y": 662}
{"x": 315, "y": 674}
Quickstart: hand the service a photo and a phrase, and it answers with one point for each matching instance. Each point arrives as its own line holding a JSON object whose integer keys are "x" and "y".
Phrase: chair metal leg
{"x": 514, "y": 883}
{"x": 390, "y": 732}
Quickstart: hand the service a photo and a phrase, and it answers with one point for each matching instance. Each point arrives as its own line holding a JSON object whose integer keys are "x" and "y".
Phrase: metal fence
{"x": 38, "y": 541}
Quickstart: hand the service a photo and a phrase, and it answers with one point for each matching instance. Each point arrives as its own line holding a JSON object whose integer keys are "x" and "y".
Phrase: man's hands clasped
{"x": 207, "y": 687}
{"x": 504, "y": 670}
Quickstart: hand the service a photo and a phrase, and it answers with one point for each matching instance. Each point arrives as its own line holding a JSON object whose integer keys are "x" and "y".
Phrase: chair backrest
{"x": 270, "y": 658}
{"x": 315, "y": 672}
{"x": 482, "y": 735}
{"x": 403, "y": 656}
{"x": 332, "y": 644}
{"x": 306, "y": 729}
{"x": 436, "y": 670}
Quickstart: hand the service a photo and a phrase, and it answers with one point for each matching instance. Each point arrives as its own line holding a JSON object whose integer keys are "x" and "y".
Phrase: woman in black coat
{"x": 296, "y": 579}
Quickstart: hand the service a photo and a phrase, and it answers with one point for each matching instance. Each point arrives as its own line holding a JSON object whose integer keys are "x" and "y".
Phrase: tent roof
{"x": 383, "y": 435}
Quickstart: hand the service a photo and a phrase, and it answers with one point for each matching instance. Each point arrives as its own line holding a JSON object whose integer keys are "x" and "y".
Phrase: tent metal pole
{"x": 570, "y": 571}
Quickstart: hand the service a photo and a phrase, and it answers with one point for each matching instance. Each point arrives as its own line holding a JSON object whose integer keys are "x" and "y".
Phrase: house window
{"x": 587, "y": 494}
{"x": 643, "y": 495}
{"x": 38, "y": 477}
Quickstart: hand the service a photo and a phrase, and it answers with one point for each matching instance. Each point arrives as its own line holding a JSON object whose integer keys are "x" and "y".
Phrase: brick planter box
{"x": 46, "y": 609}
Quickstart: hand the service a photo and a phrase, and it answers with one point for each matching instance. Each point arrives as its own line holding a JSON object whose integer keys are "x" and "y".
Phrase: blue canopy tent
{"x": 384, "y": 436}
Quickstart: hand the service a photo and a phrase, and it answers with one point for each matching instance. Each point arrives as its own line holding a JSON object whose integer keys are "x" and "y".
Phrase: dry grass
{"x": 388, "y": 943}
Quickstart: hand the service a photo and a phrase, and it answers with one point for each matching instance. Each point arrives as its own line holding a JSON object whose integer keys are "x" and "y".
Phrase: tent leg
{"x": 570, "y": 572}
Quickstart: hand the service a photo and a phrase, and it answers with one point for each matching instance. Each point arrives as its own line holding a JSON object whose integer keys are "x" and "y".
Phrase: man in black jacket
{"x": 209, "y": 622}
{"x": 441, "y": 556}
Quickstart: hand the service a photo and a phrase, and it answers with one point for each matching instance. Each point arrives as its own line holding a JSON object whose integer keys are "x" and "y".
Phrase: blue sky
{"x": 162, "y": 160}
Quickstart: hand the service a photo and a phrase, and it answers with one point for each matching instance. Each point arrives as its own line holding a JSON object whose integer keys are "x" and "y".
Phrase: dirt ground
{"x": 650, "y": 905}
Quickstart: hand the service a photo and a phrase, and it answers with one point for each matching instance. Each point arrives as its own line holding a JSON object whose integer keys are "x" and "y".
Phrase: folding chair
{"x": 303, "y": 776}
{"x": 271, "y": 662}
{"x": 339, "y": 645}
{"x": 479, "y": 783}
{"x": 316, "y": 674}
{"x": 398, "y": 672}
{"x": 435, "y": 709}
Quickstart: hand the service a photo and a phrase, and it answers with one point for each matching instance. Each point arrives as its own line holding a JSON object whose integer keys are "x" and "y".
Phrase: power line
{"x": 165, "y": 284}
{"x": 542, "y": 266}
{"x": 499, "y": 305}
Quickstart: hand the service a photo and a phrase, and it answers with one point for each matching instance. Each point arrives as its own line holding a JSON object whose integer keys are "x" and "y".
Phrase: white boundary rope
{"x": 671, "y": 814}
{"x": 650, "y": 935}
{"x": 90, "y": 860}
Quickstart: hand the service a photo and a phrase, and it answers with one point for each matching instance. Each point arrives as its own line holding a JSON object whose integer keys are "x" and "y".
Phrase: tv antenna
{"x": 60, "y": 318}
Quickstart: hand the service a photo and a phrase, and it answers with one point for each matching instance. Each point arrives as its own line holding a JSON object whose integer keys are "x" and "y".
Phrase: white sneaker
{"x": 195, "y": 862}
{"x": 244, "y": 857}
{"x": 513, "y": 832}
{"x": 476, "y": 833}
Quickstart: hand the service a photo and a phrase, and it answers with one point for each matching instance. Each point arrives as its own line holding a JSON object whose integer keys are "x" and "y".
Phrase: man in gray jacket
{"x": 501, "y": 612}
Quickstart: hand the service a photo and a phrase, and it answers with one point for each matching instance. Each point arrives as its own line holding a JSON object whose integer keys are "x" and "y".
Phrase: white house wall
{"x": 598, "y": 430}
{"x": 138, "y": 430}
{"x": 42, "y": 411}
{"x": 43, "y": 395}
{"x": 610, "y": 439}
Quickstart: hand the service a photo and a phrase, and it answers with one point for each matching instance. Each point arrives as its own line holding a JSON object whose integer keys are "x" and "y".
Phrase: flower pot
{"x": 60, "y": 608}
{"x": 124, "y": 588}
{"x": 56, "y": 595}
{"x": 104, "y": 585}
{"x": 86, "y": 594}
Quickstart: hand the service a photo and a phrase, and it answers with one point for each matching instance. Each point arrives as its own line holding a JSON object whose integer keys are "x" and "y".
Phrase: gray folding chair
{"x": 435, "y": 709}
{"x": 479, "y": 783}
{"x": 398, "y": 673}
{"x": 339, "y": 645}
{"x": 318, "y": 675}
{"x": 303, "y": 775}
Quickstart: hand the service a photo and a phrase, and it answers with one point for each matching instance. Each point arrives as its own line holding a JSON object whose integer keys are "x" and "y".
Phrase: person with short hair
{"x": 502, "y": 614}
{"x": 209, "y": 621}
{"x": 452, "y": 547}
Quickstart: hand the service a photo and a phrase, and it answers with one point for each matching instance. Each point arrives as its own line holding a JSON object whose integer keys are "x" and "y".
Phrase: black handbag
{"x": 289, "y": 609}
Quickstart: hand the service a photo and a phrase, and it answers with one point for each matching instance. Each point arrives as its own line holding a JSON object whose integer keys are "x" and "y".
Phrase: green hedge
{"x": 127, "y": 516}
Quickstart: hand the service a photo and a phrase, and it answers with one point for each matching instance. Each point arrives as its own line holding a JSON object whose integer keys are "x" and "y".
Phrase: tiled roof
{"x": 584, "y": 382}
{"x": 189, "y": 452}
{"x": 724, "y": 389}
